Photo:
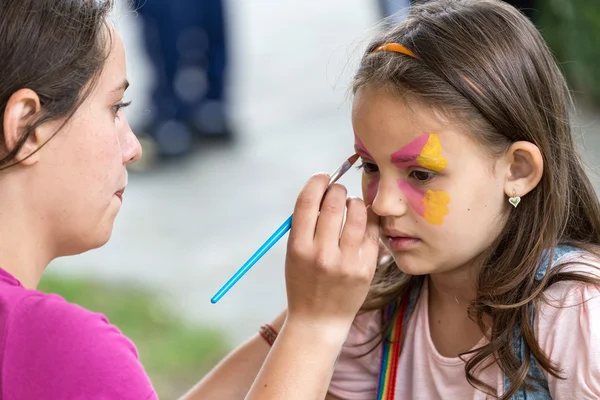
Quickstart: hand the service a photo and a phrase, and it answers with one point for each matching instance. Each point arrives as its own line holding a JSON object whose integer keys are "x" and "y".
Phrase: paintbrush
{"x": 278, "y": 234}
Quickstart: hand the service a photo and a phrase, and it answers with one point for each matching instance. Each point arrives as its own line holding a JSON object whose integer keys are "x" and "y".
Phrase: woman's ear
{"x": 525, "y": 167}
{"x": 19, "y": 114}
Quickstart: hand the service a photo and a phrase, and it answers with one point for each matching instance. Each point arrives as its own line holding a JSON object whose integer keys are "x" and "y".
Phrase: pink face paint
{"x": 407, "y": 156}
{"x": 369, "y": 188}
{"x": 413, "y": 195}
{"x": 361, "y": 150}
{"x": 426, "y": 152}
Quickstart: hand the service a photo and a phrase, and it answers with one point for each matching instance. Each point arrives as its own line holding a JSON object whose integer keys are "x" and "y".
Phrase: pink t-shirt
{"x": 568, "y": 331}
{"x": 52, "y": 349}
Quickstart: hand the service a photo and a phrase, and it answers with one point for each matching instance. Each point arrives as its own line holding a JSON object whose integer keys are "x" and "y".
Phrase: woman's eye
{"x": 117, "y": 107}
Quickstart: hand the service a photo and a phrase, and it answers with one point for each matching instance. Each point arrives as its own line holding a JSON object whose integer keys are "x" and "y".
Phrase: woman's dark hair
{"x": 57, "y": 48}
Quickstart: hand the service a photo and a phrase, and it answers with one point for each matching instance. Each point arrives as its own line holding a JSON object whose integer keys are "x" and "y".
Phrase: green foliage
{"x": 572, "y": 30}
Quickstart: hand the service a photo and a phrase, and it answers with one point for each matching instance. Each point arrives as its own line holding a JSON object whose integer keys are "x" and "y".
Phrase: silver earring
{"x": 514, "y": 200}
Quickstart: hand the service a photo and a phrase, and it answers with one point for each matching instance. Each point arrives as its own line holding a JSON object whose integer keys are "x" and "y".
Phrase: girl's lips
{"x": 402, "y": 243}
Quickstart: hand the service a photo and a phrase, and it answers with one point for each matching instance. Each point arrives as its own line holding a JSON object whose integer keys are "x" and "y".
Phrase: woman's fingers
{"x": 331, "y": 218}
{"x": 370, "y": 242}
{"x": 353, "y": 232}
{"x": 306, "y": 211}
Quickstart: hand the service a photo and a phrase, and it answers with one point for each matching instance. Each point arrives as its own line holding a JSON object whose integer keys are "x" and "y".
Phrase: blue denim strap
{"x": 540, "y": 390}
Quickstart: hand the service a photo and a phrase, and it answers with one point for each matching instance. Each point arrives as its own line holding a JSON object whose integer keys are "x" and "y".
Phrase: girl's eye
{"x": 117, "y": 107}
{"x": 422, "y": 176}
{"x": 368, "y": 167}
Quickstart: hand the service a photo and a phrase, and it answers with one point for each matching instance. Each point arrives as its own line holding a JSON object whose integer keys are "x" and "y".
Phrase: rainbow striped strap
{"x": 390, "y": 354}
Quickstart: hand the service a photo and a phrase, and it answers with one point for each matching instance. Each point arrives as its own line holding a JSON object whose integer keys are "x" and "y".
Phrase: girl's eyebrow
{"x": 360, "y": 148}
{"x": 362, "y": 153}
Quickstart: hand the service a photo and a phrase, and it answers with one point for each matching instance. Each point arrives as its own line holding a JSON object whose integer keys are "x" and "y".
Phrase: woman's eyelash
{"x": 117, "y": 107}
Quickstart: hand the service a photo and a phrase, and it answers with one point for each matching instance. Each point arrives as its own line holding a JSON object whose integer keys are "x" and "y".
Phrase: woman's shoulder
{"x": 47, "y": 323}
{"x": 35, "y": 311}
{"x": 53, "y": 340}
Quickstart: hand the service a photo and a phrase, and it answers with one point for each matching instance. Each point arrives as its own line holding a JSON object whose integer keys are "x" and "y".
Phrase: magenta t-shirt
{"x": 52, "y": 349}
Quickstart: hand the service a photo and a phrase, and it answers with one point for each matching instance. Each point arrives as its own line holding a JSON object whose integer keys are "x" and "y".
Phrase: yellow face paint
{"x": 431, "y": 156}
{"x": 425, "y": 152}
{"x": 435, "y": 206}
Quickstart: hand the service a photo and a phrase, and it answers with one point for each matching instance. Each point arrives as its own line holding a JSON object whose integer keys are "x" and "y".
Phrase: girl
{"x": 64, "y": 148}
{"x": 461, "y": 117}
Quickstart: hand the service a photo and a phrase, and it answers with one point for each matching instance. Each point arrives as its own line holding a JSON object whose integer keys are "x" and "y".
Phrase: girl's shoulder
{"x": 357, "y": 368}
{"x": 567, "y": 324}
{"x": 568, "y": 298}
{"x": 575, "y": 261}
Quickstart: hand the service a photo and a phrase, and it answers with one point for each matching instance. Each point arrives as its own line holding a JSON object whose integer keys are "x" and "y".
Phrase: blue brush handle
{"x": 282, "y": 230}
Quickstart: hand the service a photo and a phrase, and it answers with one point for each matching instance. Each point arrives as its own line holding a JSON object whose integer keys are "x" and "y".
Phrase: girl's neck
{"x": 449, "y": 295}
{"x": 457, "y": 287}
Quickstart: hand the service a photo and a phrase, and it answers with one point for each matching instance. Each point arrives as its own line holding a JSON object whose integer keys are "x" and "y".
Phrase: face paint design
{"x": 360, "y": 148}
{"x": 431, "y": 155}
{"x": 369, "y": 188}
{"x": 424, "y": 152}
{"x": 414, "y": 196}
{"x": 369, "y": 184}
{"x": 436, "y": 206}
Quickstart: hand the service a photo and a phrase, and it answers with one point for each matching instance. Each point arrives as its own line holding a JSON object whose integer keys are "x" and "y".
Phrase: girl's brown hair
{"x": 484, "y": 64}
{"x": 57, "y": 48}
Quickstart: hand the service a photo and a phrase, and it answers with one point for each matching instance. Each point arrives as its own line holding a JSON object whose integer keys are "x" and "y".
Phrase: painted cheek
{"x": 413, "y": 195}
{"x": 369, "y": 188}
{"x": 431, "y": 205}
{"x": 436, "y": 206}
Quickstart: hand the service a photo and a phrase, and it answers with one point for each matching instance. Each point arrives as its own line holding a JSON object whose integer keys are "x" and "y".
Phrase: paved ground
{"x": 185, "y": 229}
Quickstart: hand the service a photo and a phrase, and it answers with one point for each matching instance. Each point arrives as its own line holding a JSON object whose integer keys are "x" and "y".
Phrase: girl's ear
{"x": 525, "y": 167}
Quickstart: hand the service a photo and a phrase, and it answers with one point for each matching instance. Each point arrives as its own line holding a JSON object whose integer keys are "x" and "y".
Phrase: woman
{"x": 65, "y": 146}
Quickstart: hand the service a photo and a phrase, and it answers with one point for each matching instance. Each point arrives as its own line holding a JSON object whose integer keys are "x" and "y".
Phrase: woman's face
{"x": 81, "y": 173}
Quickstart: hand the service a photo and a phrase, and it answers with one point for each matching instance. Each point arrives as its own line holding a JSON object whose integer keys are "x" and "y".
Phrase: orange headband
{"x": 395, "y": 47}
{"x": 398, "y": 48}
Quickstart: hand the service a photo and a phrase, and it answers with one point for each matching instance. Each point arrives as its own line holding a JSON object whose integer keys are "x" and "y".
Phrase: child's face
{"x": 441, "y": 203}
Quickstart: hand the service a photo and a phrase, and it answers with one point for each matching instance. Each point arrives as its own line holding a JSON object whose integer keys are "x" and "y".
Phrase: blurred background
{"x": 237, "y": 103}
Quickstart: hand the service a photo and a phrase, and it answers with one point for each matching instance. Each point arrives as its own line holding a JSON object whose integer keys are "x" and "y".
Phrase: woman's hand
{"x": 328, "y": 273}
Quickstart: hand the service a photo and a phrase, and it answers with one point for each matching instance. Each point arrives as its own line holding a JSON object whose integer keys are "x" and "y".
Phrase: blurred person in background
{"x": 186, "y": 41}
{"x": 398, "y": 9}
